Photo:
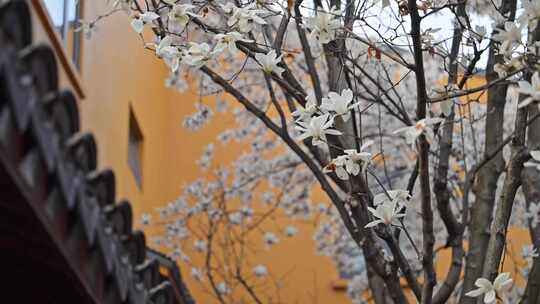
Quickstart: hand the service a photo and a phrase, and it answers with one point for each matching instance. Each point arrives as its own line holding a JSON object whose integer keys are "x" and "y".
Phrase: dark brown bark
{"x": 531, "y": 191}
{"x": 430, "y": 279}
{"x": 442, "y": 193}
{"x": 512, "y": 181}
{"x": 485, "y": 185}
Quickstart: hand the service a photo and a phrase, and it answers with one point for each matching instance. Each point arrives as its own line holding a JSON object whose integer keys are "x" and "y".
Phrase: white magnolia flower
{"x": 164, "y": 46}
{"x": 305, "y": 113}
{"x": 386, "y": 213}
{"x": 180, "y": 14}
{"x": 269, "y": 62}
{"x": 446, "y": 105}
{"x": 492, "y": 292}
{"x": 354, "y": 158}
{"x": 528, "y": 252}
{"x": 197, "y": 274}
{"x": 337, "y": 165}
{"x": 532, "y": 90}
{"x": 235, "y": 218}
{"x": 270, "y": 238}
{"x": 533, "y": 213}
{"x": 200, "y": 245}
{"x": 428, "y": 37}
{"x": 139, "y": 22}
{"x": 479, "y": 32}
{"x": 170, "y": 54}
{"x": 260, "y": 271}
{"x": 349, "y": 163}
{"x": 228, "y": 41}
{"x": 535, "y": 163}
{"x": 339, "y": 104}
{"x": 317, "y": 128}
{"x": 222, "y": 288}
{"x": 510, "y": 36}
{"x": 324, "y": 25}
{"x": 400, "y": 196}
{"x": 243, "y": 18}
{"x": 421, "y": 127}
{"x": 146, "y": 219}
{"x": 503, "y": 69}
{"x": 291, "y": 231}
{"x": 199, "y": 54}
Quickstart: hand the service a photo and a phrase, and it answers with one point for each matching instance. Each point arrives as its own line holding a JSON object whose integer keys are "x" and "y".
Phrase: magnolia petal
{"x": 530, "y": 164}
{"x": 527, "y": 101}
{"x": 525, "y": 87}
{"x": 366, "y": 144}
{"x": 490, "y": 297}
{"x": 502, "y": 281}
{"x": 372, "y": 210}
{"x": 342, "y": 173}
{"x": 446, "y": 107}
{"x": 333, "y": 132}
{"x": 317, "y": 142}
{"x": 373, "y": 224}
{"x": 353, "y": 168}
{"x": 535, "y": 155}
{"x": 347, "y": 94}
{"x": 475, "y": 293}
{"x": 328, "y": 121}
{"x": 333, "y": 95}
{"x": 483, "y": 283}
{"x": 400, "y": 130}
{"x": 379, "y": 198}
{"x": 149, "y": 16}
{"x": 137, "y": 25}
{"x": 303, "y": 136}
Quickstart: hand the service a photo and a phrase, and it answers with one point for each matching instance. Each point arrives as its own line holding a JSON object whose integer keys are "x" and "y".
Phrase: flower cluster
{"x": 535, "y": 163}
{"x": 421, "y": 127}
{"x": 351, "y": 163}
{"x": 388, "y": 207}
{"x": 531, "y": 90}
{"x": 324, "y": 25}
{"x": 316, "y": 122}
{"x": 493, "y": 291}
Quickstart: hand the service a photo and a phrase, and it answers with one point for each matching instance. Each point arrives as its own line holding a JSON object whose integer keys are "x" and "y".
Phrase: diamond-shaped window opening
{"x": 135, "y": 148}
